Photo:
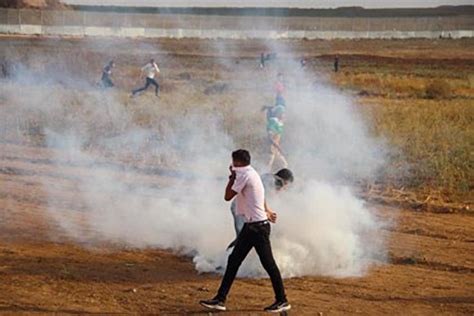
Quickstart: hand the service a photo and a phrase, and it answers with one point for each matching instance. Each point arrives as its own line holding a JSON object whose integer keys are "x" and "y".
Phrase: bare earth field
{"x": 431, "y": 249}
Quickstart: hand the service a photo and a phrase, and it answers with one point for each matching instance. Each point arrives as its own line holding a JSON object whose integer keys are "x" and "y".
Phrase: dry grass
{"x": 435, "y": 138}
{"x": 423, "y": 107}
{"x": 439, "y": 89}
{"x": 428, "y": 114}
{"x": 393, "y": 85}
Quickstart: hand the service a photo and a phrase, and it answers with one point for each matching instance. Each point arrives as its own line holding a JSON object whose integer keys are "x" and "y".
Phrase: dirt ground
{"x": 431, "y": 253}
{"x": 431, "y": 267}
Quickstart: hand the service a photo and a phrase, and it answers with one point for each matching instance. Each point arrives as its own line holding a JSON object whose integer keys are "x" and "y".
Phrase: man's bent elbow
{"x": 229, "y": 195}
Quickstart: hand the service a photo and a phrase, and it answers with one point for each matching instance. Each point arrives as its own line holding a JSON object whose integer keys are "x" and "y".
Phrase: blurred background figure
{"x": 150, "y": 70}
{"x": 303, "y": 62}
{"x": 262, "y": 60}
{"x": 105, "y": 81}
{"x": 280, "y": 90}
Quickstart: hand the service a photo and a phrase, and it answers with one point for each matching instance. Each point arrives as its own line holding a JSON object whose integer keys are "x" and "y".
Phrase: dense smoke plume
{"x": 161, "y": 185}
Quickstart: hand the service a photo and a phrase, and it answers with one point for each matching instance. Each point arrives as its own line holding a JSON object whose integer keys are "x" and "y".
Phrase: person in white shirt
{"x": 150, "y": 70}
{"x": 246, "y": 186}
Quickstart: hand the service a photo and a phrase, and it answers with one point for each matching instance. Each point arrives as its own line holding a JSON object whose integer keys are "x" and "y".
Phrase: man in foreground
{"x": 245, "y": 184}
{"x": 150, "y": 70}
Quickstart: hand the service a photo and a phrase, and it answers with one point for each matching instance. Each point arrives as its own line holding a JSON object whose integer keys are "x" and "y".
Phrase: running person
{"x": 246, "y": 186}
{"x": 106, "y": 73}
{"x": 150, "y": 70}
{"x": 273, "y": 184}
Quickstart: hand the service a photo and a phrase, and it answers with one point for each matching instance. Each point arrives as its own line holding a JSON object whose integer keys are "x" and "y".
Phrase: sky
{"x": 276, "y": 3}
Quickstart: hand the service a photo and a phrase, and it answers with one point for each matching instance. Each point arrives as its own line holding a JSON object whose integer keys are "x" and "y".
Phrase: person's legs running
{"x": 284, "y": 162}
{"x": 242, "y": 247}
{"x": 157, "y": 86}
{"x": 273, "y": 153}
{"x": 270, "y": 163}
{"x": 264, "y": 251}
{"x": 147, "y": 84}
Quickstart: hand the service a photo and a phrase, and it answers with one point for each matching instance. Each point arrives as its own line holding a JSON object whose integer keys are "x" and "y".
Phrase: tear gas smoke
{"x": 162, "y": 186}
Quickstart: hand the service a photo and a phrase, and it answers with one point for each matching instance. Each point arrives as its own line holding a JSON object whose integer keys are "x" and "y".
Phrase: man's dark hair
{"x": 242, "y": 156}
{"x": 285, "y": 174}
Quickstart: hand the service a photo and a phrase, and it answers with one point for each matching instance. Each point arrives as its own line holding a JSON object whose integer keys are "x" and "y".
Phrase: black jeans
{"x": 149, "y": 81}
{"x": 253, "y": 235}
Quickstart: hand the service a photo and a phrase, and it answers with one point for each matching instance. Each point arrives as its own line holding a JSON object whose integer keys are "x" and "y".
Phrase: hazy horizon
{"x": 274, "y": 3}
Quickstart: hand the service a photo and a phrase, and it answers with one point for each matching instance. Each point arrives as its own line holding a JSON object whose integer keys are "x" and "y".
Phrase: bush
{"x": 438, "y": 89}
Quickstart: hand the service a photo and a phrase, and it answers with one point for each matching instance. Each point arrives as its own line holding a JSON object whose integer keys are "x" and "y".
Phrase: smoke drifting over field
{"x": 162, "y": 186}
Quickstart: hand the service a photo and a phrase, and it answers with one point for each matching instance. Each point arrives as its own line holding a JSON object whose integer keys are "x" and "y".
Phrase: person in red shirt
{"x": 280, "y": 90}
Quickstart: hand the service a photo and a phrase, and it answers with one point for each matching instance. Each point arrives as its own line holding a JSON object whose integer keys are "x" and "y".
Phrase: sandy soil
{"x": 431, "y": 265}
{"x": 430, "y": 269}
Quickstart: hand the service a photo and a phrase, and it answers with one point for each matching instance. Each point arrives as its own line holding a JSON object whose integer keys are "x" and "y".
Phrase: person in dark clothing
{"x": 246, "y": 186}
{"x": 262, "y": 60}
{"x": 106, "y": 73}
{"x": 336, "y": 64}
{"x": 273, "y": 110}
{"x": 303, "y": 62}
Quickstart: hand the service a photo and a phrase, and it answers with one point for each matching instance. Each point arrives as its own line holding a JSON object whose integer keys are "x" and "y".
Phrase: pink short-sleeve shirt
{"x": 250, "y": 199}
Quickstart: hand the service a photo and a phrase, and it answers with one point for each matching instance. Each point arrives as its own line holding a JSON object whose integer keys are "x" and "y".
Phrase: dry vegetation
{"x": 426, "y": 109}
{"x": 422, "y": 106}
{"x": 430, "y": 268}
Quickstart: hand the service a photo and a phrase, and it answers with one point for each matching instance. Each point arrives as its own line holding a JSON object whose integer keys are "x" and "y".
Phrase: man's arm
{"x": 229, "y": 193}
{"x": 272, "y": 216}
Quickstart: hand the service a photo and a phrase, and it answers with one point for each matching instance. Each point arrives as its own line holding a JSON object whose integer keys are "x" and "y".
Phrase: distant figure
{"x": 150, "y": 70}
{"x": 303, "y": 62}
{"x": 106, "y": 73}
{"x": 336, "y": 64}
{"x": 264, "y": 58}
{"x": 280, "y": 90}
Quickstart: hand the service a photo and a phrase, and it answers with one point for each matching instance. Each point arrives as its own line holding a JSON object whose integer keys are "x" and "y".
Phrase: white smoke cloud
{"x": 163, "y": 186}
